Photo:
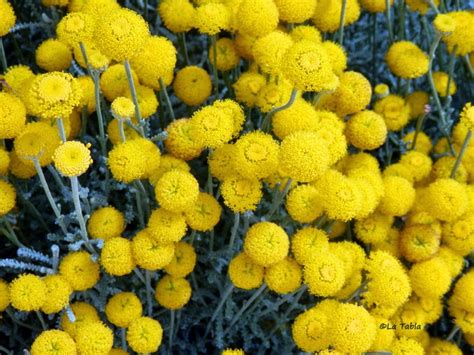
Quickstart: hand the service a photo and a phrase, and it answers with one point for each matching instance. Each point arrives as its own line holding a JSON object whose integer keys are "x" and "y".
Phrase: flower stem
{"x": 167, "y": 99}
{"x": 389, "y": 21}
{"x": 80, "y": 217}
{"x": 183, "y": 46}
{"x": 123, "y": 340}
{"x": 233, "y": 234}
{"x": 278, "y": 200}
{"x": 149, "y": 300}
{"x": 224, "y": 297}
{"x": 453, "y": 333}
{"x": 215, "y": 74}
{"x": 49, "y": 196}
{"x": 3, "y": 57}
{"x": 341, "y": 22}
{"x": 171, "y": 331}
{"x": 123, "y": 138}
{"x": 461, "y": 153}
{"x": 62, "y": 131}
{"x": 133, "y": 92}
{"x": 267, "y": 122}
{"x": 419, "y": 124}
{"x": 41, "y": 319}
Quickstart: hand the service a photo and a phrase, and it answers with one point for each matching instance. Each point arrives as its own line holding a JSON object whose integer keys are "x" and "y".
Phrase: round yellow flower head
{"x": 105, "y": 223}
{"x": 244, "y": 273}
{"x": 394, "y": 110}
{"x": 308, "y": 67}
{"x": 167, "y": 163}
{"x": 122, "y": 33}
{"x": 399, "y": 196}
{"x": 88, "y": 94}
{"x": 211, "y": 127}
{"x": 440, "y": 346}
{"x": 352, "y": 329}
{"x": 180, "y": 141}
{"x": 375, "y": 6}
{"x": 123, "y": 308}
{"x": 269, "y": 50}
{"x": 256, "y": 17}
{"x": 442, "y": 170}
{"x": 274, "y": 94}
{"x": 430, "y": 308}
{"x": 116, "y": 256}
{"x": 157, "y": 59}
{"x": 383, "y": 336}
{"x": 418, "y": 163}
{"x": 205, "y": 213}
{"x": 466, "y": 117}
{"x": 28, "y": 292}
{"x": 227, "y": 57}
{"x": 13, "y": 116}
{"x": 381, "y": 90}
{"x": 38, "y": 140}
{"x": 292, "y": 12}
{"x": 306, "y": 32}
{"x": 4, "y": 295}
{"x": 83, "y": 313}
{"x": 283, "y": 122}
{"x": 406, "y": 60}
{"x": 165, "y": 226}
{"x": 303, "y": 157}
{"x": 4, "y": 162}
{"x": 417, "y": 101}
{"x": 72, "y": 158}
{"x": 16, "y": 76}
{"x": 430, "y": 278}
{"x": 53, "y": 95}
{"x": 324, "y": 275}
{"x": 95, "y": 58}
{"x": 94, "y": 338}
{"x": 406, "y": 345}
{"x": 144, "y": 335}
{"x": 303, "y": 203}
{"x": 419, "y": 242}
{"x": 7, "y": 197}
{"x": 420, "y": 5}
{"x": 50, "y": 341}
{"x": 462, "y": 296}
{"x": 453, "y": 260}
{"x": 173, "y": 292}
{"x": 192, "y": 85}
{"x": 441, "y": 80}
{"x": 53, "y": 55}
{"x": 233, "y": 109}
{"x": 229, "y": 351}
{"x": 127, "y": 161}
{"x": 96, "y": 8}
{"x": 221, "y": 162}
{"x": 8, "y": 17}
{"x": 460, "y": 37}
{"x": 183, "y": 261}
{"x": 241, "y": 194}
{"x": 284, "y": 276}
{"x": 211, "y": 18}
{"x": 177, "y": 15}
{"x": 374, "y": 228}
{"x": 337, "y": 56}
{"x": 247, "y": 88}
{"x": 351, "y": 254}
{"x": 446, "y": 199}
{"x": 58, "y": 292}
{"x": 444, "y": 24}
{"x": 243, "y": 45}
{"x": 266, "y": 243}
{"x": 75, "y": 27}
{"x": 114, "y": 83}
{"x": 256, "y": 155}
{"x": 308, "y": 243}
{"x": 366, "y": 130}
{"x": 327, "y": 16}
{"x": 149, "y": 254}
{"x": 423, "y": 142}
{"x": 177, "y": 191}
{"x": 79, "y": 270}
{"x": 122, "y": 108}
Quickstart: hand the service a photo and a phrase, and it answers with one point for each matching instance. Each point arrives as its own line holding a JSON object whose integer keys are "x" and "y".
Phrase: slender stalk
{"x": 451, "y": 65}
{"x": 123, "y": 138}
{"x": 3, "y": 57}
{"x": 62, "y": 131}
{"x": 468, "y": 65}
{"x": 133, "y": 92}
{"x": 78, "y": 208}
{"x": 49, "y": 196}
{"x": 419, "y": 124}
{"x": 267, "y": 122}
{"x": 433, "y": 6}
{"x": 167, "y": 99}
{"x": 461, "y": 154}
{"x": 341, "y": 21}
{"x": 276, "y": 203}
{"x": 233, "y": 234}
{"x": 183, "y": 47}
{"x": 56, "y": 177}
{"x": 11, "y": 237}
{"x": 401, "y": 10}
{"x": 122, "y": 339}
{"x": 139, "y": 203}
{"x": 373, "y": 34}
{"x": 41, "y": 319}
{"x": 20, "y": 323}
{"x": 224, "y": 297}
{"x": 215, "y": 74}
{"x": 171, "y": 331}
{"x": 209, "y": 176}
{"x": 84, "y": 118}
{"x": 453, "y": 333}
{"x": 388, "y": 14}
{"x": 149, "y": 301}
{"x": 145, "y": 10}
{"x": 144, "y": 198}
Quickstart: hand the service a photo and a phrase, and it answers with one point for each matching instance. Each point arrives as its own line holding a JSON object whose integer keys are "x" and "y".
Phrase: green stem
{"x": 401, "y": 10}
{"x": 149, "y": 300}
{"x": 41, "y": 319}
{"x": 451, "y": 65}
{"x": 215, "y": 74}
{"x": 11, "y": 237}
{"x": 145, "y": 10}
{"x": 224, "y": 297}
{"x": 233, "y": 234}
{"x": 389, "y": 21}
{"x": 56, "y": 177}
{"x": 276, "y": 203}
{"x": 20, "y": 323}
{"x": 123, "y": 339}
{"x": 433, "y": 6}
{"x": 62, "y": 131}
{"x": 341, "y": 21}
{"x": 267, "y": 122}
{"x": 133, "y": 92}
{"x": 49, "y": 196}
{"x": 183, "y": 47}
{"x": 461, "y": 154}
{"x": 78, "y": 209}
{"x": 468, "y": 65}
{"x": 419, "y": 124}
{"x": 167, "y": 99}
{"x": 453, "y": 333}
{"x": 84, "y": 119}
{"x": 359, "y": 290}
{"x": 3, "y": 57}
{"x": 121, "y": 130}
{"x": 139, "y": 203}
{"x": 171, "y": 331}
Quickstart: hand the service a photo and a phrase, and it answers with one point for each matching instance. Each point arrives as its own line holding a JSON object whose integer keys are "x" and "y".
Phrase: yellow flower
{"x": 94, "y": 338}
{"x": 113, "y": 132}
{"x": 4, "y": 295}
{"x": 127, "y": 161}
{"x": 337, "y": 56}
{"x": 155, "y": 60}
{"x": 72, "y": 158}
{"x": 444, "y": 24}
{"x": 453, "y": 260}
{"x": 256, "y": 17}
{"x": 53, "y": 341}
{"x": 233, "y": 352}
{"x": 227, "y": 57}
{"x": 79, "y": 270}
{"x": 144, "y": 335}
{"x": 83, "y": 313}
{"x": 177, "y": 15}
{"x": 374, "y": 228}
{"x": 53, "y": 55}
{"x": 95, "y": 58}
{"x": 266, "y": 243}
{"x": 105, "y": 223}
{"x": 303, "y": 203}
{"x": 165, "y": 226}
{"x": 306, "y": 32}
{"x": 406, "y": 60}
{"x": 446, "y": 199}
{"x": 121, "y": 33}
{"x": 308, "y": 67}
{"x": 180, "y": 141}
{"x": 430, "y": 278}
{"x": 192, "y": 84}
{"x": 212, "y": 127}
{"x": 75, "y": 27}
{"x": 274, "y": 94}
{"x": 423, "y": 142}
{"x": 211, "y": 18}
{"x": 284, "y": 276}
{"x": 268, "y": 51}
{"x": 28, "y": 292}
{"x": 247, "y": 88}
{"x": 123, "y": 308}
{"x": 244, "y": 273}
{"x": 461, "y": 35}
{"x": 177, "y": 191}
{"x": 394, "y": 110}
{"x": 295, "y": 12}
{"x": 308, "y": 243}
{"x": 205, "y": 213}
{"x": 221, "y": 162}
{"x": 375, "y": 6}
{"x": 420, "y": 5}
{"x": 8, "y": 17}
{"x": 283, "y": 122}
{"x": 122, "y": 108}
{"x": 419, "y": 242}
{"x": 327, "y": 16}
{"x": 467, "y": 116}
{"x": 351, "y": 254}
{"x": 173, "y": 292}
{"x": 440, "y": 346}
{"x": 406, "y": 345}
{"x": 366, "y": 130}
{"x": 13, "y": 113}
{"x": 7, "y": 197}
{"x": 114, "y": 83}
{"x": 16, "y": 76}
{"x": 241, "y": 194}
{"x": 399, "y": 196}
{"x": 58, "y": 292}
{"x": 150, "y": 254}
{"x": 116, "y": 256}
{"x": 234, "y": 110}
{"x": 183, "y": 261}
{"x": 441, "y": 80}
{"x": 324, "y": 274}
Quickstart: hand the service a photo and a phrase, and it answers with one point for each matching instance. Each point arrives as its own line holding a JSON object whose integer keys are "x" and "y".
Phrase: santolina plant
{"x": 236, "y": 176}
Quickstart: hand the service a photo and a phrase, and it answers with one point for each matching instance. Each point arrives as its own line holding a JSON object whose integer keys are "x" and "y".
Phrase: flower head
{"x": 150, "y": 254}
{"x": 244, "y": 273}
{"x": 54, "y": 341}
{"x": 123, "y": 308}
{"x": 79, "y": 270}
{"x": 172, "y": 292}
{"x": 28, "y": 292}
{"x": 144, "y": 335}
{"x": 266, "y": 243}
{"x": 72, "y": 158}
{"x": 116, "y": 256}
